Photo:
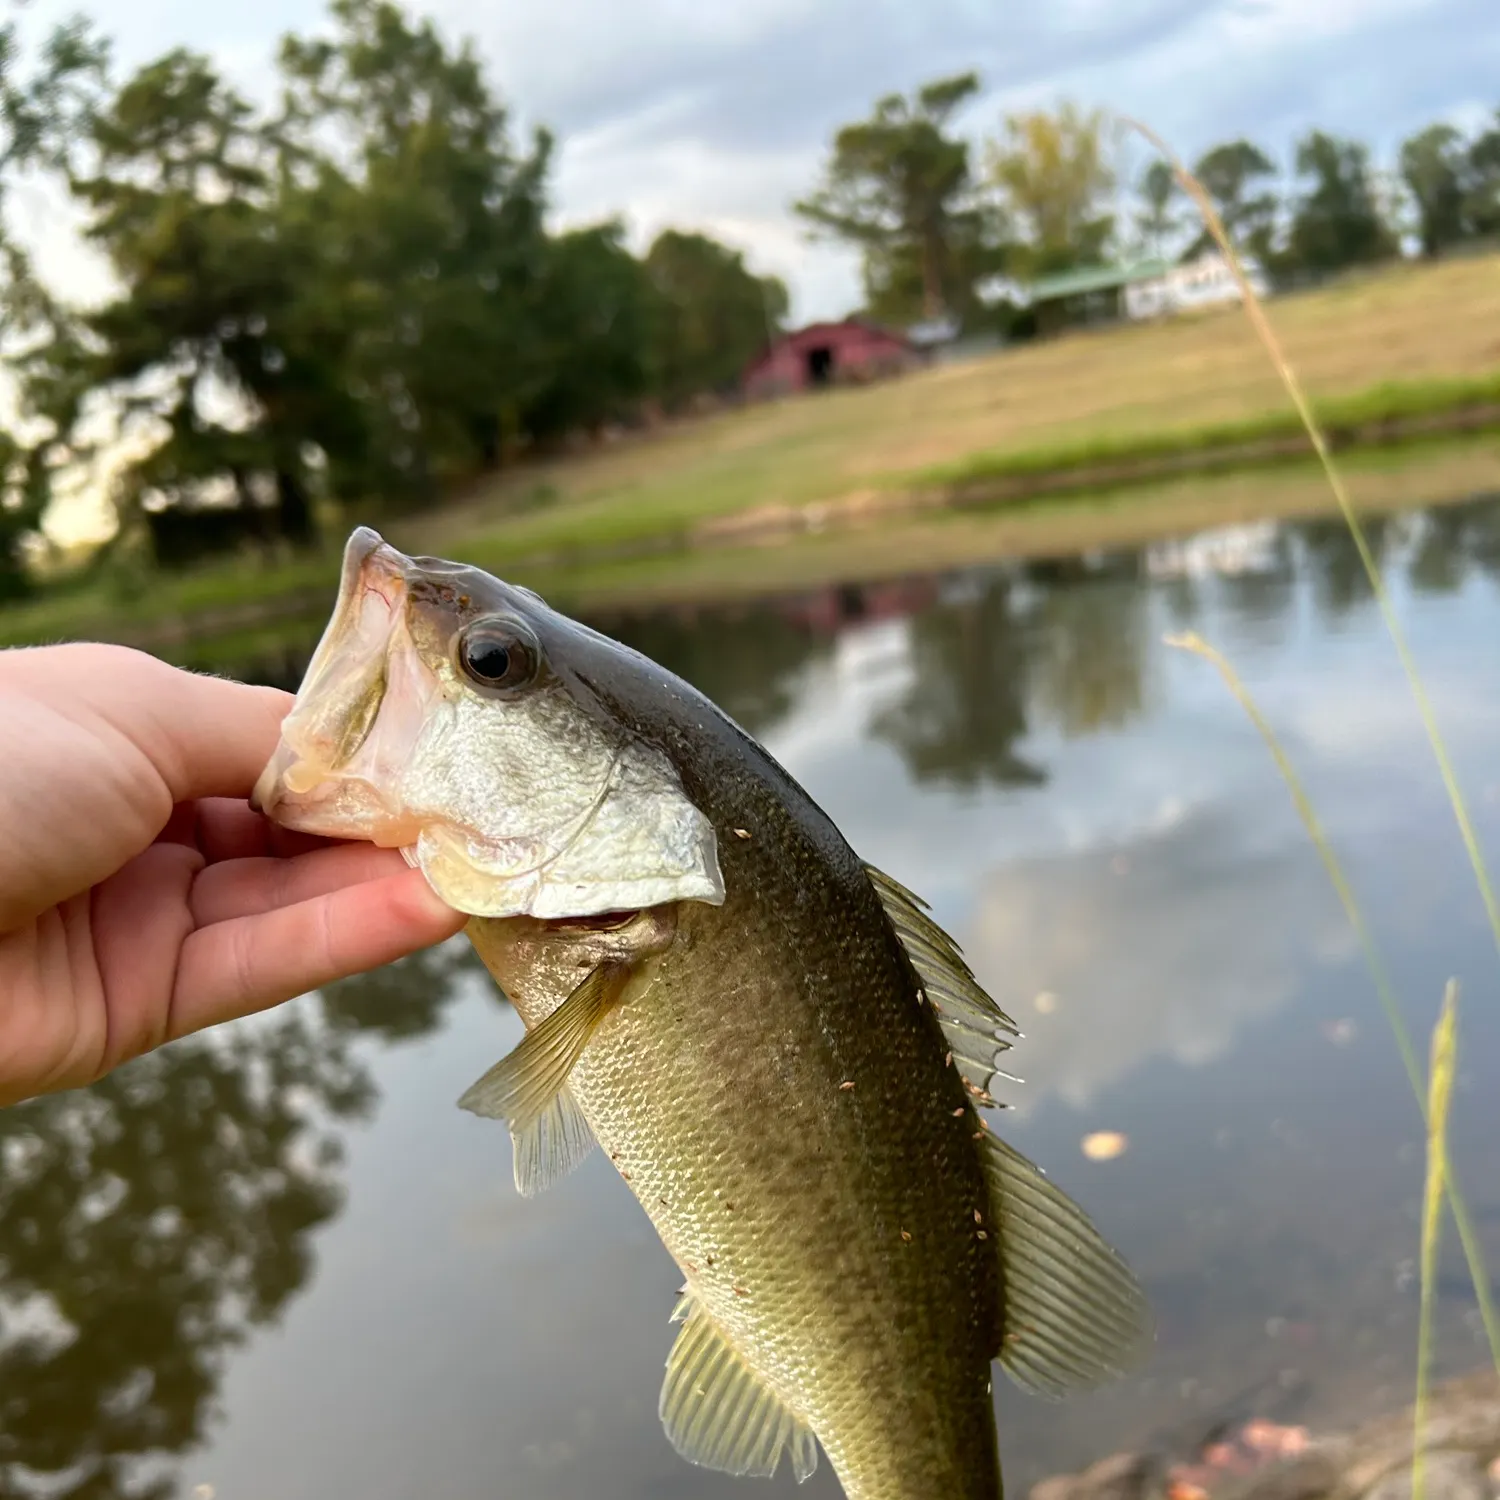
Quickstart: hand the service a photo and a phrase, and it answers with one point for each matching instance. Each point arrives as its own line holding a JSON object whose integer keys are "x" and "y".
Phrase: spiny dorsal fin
{"x": 528, "y": 1088}
{"x": 717, "y": 1412}
{"x": 978, "y": 1031}
{"x": 1072, "y": 1316}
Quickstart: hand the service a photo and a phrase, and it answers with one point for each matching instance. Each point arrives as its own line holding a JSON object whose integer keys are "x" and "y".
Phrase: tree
{"x": 1434, "y": 167}
{"x": 1231, "y": 175}
{"x": 45, "y": 105}
{"x": 1482, "y": 200}
{"x": 596, "y": 325}
{"x": 714, "y": 316}
{"x": 899, "y": 186}
{"x": 1055, "y": 177}
{"x": 1158, "y": 219}
{"x": 204, "y": 340}
{"x": 441, "y": 248}
{"x": 1337, "y": 222}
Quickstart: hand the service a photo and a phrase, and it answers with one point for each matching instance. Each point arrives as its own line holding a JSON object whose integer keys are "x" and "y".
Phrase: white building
{"x": 1204, "y": 282}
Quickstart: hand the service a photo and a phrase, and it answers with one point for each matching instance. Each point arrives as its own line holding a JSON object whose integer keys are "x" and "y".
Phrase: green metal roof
{"x": 1083, "y": 279}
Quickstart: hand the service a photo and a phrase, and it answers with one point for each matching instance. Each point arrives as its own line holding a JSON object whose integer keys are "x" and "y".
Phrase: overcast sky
{"x": 716, "y": 113}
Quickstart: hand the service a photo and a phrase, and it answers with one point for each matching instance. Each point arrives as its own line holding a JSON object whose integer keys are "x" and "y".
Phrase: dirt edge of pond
{"x": 863, "y": 506}
{"x": 781, "y": 548}
{"x": 1461, "y": 1448}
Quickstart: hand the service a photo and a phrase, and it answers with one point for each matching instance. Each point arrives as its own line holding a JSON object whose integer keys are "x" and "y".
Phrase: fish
{"x": 782, "y": 1053}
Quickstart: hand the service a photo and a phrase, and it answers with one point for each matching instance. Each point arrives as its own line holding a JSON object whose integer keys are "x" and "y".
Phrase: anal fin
{"x": 1073, "y": 1316}
{"x": 717, "y": 1412}
{"x": 528, "y": 1088}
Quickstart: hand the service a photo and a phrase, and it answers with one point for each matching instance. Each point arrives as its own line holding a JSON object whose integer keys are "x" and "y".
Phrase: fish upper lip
{"x": 371, "y": 562}
{"x": 370, "y": 565}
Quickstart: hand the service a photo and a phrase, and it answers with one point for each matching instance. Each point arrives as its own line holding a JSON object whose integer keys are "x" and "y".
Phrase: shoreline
{"x": 865, "y": 537}
{"x": 1264, "y": 1461}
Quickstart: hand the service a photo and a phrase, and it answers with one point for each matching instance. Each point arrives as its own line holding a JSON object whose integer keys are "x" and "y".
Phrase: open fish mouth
{"x": 358, "y": 712}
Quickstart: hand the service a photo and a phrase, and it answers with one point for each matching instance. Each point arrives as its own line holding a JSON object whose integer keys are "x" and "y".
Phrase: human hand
{"x": 140, "y": 897}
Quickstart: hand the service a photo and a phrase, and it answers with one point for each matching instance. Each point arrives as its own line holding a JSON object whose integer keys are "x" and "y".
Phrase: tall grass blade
{"x": 1468, "y": 1236}
{"x": 1267, "y": 335}
{"x": 1439, "y": 1092}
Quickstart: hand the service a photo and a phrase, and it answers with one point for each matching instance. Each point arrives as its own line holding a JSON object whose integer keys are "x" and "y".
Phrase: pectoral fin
{"x": 528, "y": 1088}
{"x": 719, "y": 1413}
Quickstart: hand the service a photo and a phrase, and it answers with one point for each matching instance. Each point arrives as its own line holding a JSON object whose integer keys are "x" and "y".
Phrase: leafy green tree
{"x": 1434, "y": 167}
{"x": 1054, "y": 174}
{"x": 596, "y": 326}
{"x": 439, "y": 252}
{"x": 899, "y": 186}
{"x": 1337, "y": 222}
{"x": 1157, "y": 221}
{"x": 201, "y": 343}
{"x": 714, "y": 316}
{"x": 1234, "y": 176}
{"x": 1482, "y": 200}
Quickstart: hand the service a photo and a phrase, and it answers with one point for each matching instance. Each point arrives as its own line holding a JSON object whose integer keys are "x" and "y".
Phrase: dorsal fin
{"x": 1072, "y": 1317}
{"x": 978, "y": 1031}
{"x": 719, "y": 1413}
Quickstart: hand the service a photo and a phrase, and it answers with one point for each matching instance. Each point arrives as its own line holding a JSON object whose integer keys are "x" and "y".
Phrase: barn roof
{"x": 1083, "y": 279}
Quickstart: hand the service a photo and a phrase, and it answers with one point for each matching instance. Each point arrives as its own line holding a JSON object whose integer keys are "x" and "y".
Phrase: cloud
{"x": 671, "y": 111}
{"x": 1166, "y": 943}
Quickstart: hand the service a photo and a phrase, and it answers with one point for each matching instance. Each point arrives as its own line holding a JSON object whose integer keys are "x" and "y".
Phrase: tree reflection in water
{"x": 146, "y": 1224}
{"x": 960, "y": 719}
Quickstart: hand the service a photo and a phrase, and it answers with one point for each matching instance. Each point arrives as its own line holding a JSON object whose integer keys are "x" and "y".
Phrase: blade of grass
{"x": 1262, "y": 325}
{"x": 1439, "y": 1092}
{"x": 1467, "y": 1235}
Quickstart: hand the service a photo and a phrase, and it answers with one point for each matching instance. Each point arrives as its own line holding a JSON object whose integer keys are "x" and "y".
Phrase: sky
{"x": 716, "y": 116}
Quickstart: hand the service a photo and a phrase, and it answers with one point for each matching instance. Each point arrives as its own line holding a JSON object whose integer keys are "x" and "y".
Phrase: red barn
{"x": 825, "y": 354}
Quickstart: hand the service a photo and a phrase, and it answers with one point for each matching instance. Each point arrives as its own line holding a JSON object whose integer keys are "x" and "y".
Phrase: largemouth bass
{"x": 783, "y": 1055}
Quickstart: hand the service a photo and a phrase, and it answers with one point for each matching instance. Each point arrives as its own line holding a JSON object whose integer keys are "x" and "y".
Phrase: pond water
{"x": 278, "y": 1263}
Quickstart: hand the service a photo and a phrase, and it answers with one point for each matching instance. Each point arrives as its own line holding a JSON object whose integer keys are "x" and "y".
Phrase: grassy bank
{"x": 904, "y": 545}
{"x": 1080, "y": 440}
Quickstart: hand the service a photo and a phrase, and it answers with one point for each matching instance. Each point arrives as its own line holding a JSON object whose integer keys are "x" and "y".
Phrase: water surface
{"x": 277, "y": 1261}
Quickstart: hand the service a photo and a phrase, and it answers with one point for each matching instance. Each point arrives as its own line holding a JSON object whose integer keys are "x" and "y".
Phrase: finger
{"x": 205, "y": 736}
{"x": 249, "y": 963}
{"x": 229, "y": 828}
{"x": 140, "y": 920}
{"x": 249, "y": 887}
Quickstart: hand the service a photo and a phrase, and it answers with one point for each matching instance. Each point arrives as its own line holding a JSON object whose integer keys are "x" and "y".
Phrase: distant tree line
{"x": 352, "y": 294}
{"x": 937, "y": 216}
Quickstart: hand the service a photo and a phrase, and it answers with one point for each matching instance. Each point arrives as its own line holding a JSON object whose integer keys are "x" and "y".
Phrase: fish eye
{"x": 494, "y": 654}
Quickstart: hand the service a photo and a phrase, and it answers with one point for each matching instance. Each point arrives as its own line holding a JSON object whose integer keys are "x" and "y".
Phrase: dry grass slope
{"x": 1411, "y": 324}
